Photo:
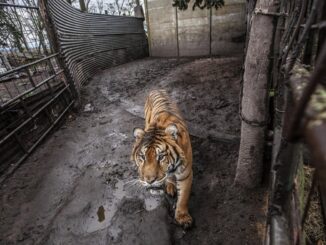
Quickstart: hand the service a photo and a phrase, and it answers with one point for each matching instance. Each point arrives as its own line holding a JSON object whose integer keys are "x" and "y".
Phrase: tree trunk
{"x": 250, "y": 7}
{"x": 21, "y": 31}
{"x": 5, "y": 61}
{"x": 82, "y": 5}
{"x": 255, "y": 96}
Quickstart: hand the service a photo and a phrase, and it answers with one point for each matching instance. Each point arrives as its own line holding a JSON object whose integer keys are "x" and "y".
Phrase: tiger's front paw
{"x": 184, "y": 219}
{"x": 170, "y": 189}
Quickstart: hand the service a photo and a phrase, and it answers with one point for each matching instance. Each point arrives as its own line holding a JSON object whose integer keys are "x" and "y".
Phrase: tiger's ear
{"x": 138, "y": 133}
{"x": 172, "y": 130}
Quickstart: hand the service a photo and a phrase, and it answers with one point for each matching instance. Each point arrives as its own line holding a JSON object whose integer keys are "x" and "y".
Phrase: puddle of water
{"x": 101, "y": 214}
{"x": 108, "y": 209}
{"x": 99, "y": 220}
{"x": 105, "y": 212}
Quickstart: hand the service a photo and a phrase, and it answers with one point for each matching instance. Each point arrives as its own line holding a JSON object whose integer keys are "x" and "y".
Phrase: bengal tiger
{"x": 163, "y": 153}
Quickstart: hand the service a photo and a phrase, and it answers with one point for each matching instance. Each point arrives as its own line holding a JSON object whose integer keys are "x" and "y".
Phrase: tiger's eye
{"x": 161, "y": 157}
{"x": 142, "y": 157}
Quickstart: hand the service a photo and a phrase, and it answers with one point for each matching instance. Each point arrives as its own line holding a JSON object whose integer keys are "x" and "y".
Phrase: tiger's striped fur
{"x": 162, "y": 152}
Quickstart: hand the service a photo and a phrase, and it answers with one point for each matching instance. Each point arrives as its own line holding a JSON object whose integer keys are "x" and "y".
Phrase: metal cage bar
{"x": 32, "y": 83}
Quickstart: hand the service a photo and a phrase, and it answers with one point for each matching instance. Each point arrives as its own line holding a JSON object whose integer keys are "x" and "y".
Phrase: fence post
{"x": 210, "y": 32}
{"x": 177, "y": 31}
{"x": 148, "y": 29}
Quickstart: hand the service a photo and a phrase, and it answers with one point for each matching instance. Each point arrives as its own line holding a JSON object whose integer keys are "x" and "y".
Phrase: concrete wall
{"x": 195, "y": 33}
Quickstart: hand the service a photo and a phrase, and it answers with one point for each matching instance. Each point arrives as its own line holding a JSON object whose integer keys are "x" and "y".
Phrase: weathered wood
{"x": 283, "y": 198}
{"x": 250, "y": 7}
{"x": 296, "y": 31}
{"x": 303, "y": 36}
{"x": 278, "y": 98}
{"x": 314, "y": 127}
{"x": 322, "y": 31}
{"x": 279, "y": 230}
{"x": 255, "y": 96}
{"x": 303, "y": 117}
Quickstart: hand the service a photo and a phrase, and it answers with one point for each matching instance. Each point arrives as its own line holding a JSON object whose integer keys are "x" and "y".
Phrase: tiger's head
{"x": 156, "y": 154}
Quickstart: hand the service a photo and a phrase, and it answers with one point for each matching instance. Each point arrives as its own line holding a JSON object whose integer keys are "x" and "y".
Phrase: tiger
{"x": 163, "y": 154}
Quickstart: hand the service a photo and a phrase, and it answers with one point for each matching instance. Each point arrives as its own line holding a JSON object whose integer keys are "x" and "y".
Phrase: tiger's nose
{"x": 150, "y": 179}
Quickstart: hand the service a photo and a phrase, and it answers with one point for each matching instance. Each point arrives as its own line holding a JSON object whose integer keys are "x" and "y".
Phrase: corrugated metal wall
{"x": 91, "y": 42}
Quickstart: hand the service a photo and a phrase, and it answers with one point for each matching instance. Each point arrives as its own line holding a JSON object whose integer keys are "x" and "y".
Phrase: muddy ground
{"x": 77, "y": 187}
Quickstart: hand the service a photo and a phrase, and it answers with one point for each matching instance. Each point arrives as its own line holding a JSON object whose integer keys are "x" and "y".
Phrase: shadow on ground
{"x": 78, "y": 187}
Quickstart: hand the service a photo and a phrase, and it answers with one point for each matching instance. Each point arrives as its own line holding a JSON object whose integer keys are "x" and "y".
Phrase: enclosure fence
{"x": 92, "y": 42}
{"x": 297, "y": 203}
{"x": 34, "y": 92}
{"x": 45, "y": 61}
{"x": 48, "y": 50}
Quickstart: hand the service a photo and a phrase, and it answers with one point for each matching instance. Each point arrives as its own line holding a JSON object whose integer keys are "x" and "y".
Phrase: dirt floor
{"x": 76, "y": 188}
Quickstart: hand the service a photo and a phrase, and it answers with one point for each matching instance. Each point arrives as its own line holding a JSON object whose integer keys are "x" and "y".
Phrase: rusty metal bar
{"x": 319, "y": 25}
{"x": 30, "y": 90}
{"x": 9, "y": 172}
{"x": 23, "y": 105}
{"x": 25, "y": 66}
{"x": 33, "y": 116}
{"x": 30, "y": 77}
{"x": 303, "y": 36}
{"x": 17, "y": 6}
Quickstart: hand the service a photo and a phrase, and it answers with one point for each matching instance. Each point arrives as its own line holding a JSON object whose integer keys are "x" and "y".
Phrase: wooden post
{"x": 177, "y": 31}
{"x": 210, "y": 32}
{"x": 148, "y": 28}
{"x": 254, "y": 111}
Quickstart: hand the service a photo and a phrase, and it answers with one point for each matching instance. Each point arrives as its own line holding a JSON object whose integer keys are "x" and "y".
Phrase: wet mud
{"x": 79, "y": 186}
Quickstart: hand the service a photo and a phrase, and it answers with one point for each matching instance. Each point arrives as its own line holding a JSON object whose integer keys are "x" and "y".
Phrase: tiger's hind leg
{"x": 170, "y": 187}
